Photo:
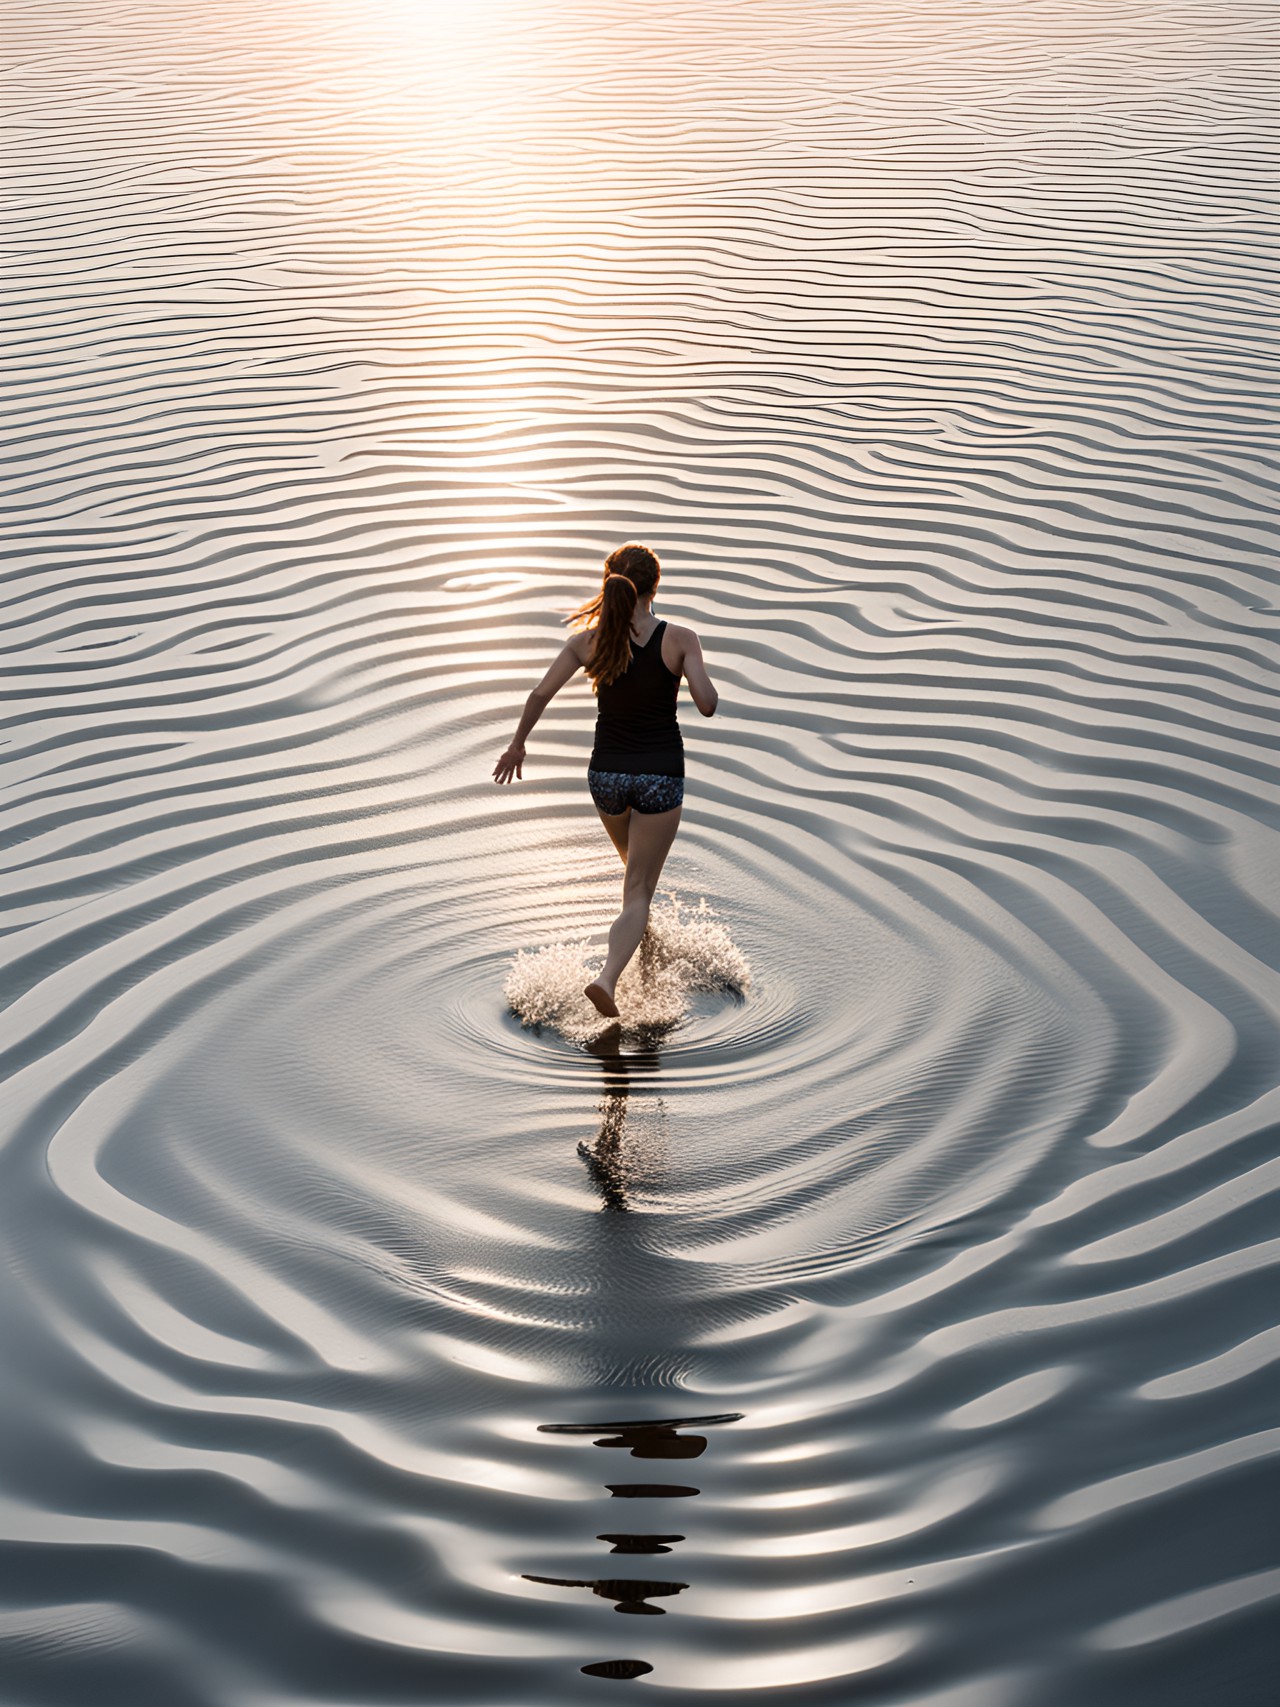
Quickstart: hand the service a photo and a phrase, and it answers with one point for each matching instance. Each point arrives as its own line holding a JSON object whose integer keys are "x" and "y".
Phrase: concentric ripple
{"x": 923, "y": 1231}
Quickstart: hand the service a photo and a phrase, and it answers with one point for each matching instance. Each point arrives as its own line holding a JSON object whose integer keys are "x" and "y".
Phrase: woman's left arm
{"x": 563, "y": 670}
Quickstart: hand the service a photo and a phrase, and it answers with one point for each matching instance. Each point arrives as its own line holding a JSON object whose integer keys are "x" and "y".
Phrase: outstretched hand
{"x": 510, "y": 764}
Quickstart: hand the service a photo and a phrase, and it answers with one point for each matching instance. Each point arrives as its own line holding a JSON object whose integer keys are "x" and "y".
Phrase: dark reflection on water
{"x": 640, "y": 1543}
{"x": 613, "y": 1165}
{"x": 630, "y": 1594}
{"x": 644, "y": 1441}
{"x": 608, "y": 1160}
{"x": 652, "y": 1439}
{"x": 648, "y": 1439}
{"x": 649, "y": 1490}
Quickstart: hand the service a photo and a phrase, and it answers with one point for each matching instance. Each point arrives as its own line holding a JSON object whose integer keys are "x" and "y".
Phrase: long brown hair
{"x": 631, "y": 573}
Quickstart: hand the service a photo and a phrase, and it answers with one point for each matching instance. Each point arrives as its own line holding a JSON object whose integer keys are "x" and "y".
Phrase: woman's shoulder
{"x": 678, "y": 644}
{"x": 580, "y": 644}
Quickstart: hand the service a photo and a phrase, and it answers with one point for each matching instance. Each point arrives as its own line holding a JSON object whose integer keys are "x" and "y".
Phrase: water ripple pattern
{"x": 933, "y": 346}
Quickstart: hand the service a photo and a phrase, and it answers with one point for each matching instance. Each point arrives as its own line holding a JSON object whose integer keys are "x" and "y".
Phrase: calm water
{"x": 900, "y": 1330}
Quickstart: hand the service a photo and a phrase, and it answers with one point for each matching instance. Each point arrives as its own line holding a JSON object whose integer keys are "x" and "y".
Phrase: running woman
{"x": 636, "y": 774}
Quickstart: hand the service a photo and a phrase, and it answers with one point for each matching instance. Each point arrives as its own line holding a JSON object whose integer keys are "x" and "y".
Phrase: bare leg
{"x": 649, "y": 842}
{"x": 617, "y": 825}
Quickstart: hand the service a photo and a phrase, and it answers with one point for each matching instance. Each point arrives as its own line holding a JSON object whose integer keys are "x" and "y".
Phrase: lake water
{"x": 895, "y": 1320}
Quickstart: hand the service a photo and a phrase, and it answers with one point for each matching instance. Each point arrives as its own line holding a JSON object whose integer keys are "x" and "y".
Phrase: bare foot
{"x": 601, "y": 1000}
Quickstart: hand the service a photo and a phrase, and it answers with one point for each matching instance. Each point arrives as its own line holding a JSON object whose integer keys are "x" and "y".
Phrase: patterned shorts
{"x": 614, "y": 791}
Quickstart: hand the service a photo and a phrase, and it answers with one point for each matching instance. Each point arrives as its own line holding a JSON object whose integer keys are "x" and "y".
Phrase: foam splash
{"x": 685, "y": 950}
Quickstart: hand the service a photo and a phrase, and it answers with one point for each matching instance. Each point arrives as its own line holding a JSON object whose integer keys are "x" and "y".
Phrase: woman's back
{"x": 637, "y": 731}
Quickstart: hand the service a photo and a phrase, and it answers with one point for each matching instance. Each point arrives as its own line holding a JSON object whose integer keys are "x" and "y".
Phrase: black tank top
{"x": 636, "y": 728}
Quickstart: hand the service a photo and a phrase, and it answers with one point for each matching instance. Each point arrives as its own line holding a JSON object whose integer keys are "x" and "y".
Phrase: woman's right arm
{"x": 694, "y": 671}
{"x": 573, "y": 655}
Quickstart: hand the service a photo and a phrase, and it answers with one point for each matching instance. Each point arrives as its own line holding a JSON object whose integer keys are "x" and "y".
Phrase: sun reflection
{"x": 420, "y": 26}
{"x": 795, "y": 1498}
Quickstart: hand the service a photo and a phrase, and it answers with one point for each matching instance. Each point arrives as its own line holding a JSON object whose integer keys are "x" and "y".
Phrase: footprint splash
{"x": 685, "y": 951}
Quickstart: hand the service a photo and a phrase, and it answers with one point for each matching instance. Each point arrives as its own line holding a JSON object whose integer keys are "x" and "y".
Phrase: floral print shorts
{"x": 614, "y": 791}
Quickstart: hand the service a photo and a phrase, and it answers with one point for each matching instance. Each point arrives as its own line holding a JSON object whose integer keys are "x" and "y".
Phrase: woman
{"x": 636, "y": 775}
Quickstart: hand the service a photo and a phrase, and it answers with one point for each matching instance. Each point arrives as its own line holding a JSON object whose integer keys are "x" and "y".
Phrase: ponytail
{"x": 630, "y": 573}
{"x": 612, "y": 651}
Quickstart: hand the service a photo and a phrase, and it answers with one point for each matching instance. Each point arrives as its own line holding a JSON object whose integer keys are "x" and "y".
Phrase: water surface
{"x": 899, "y": 1331}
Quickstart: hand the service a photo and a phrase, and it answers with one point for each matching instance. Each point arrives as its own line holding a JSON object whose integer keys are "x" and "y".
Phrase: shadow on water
{"x": 657, "y": 1439}
{"x": 608, "y": 1162}
{"x": 613, "y": 1169}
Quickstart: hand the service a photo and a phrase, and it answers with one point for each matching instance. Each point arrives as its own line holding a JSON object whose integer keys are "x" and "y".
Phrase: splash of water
{"x": 685, "y": 950}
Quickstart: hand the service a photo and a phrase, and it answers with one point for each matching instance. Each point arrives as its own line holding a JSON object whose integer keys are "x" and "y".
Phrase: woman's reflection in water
{"x": 662, "y": 1438}
{"x": 610, "y": 1160}
{"x": 615, "y": 1163}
